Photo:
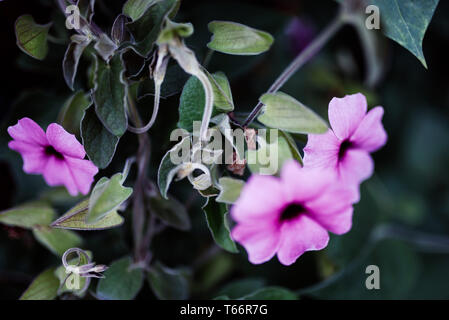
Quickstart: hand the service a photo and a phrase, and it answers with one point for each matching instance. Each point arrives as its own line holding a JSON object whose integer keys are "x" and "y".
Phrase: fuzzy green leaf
{"x": 72, "y": 112}
{"x": 56, "y": 240}
{"x": 136, "y": 8}
{"x": 216, "y": 216}
{"x": 120, "y": 281}
{"x": 230, "y": 189}
{"x": 28, "y": 215}
{"x": 172, "y": 212}
{"x": 235, "y": 38}
{"x": 75, "y": 219}
{"x": 44, "y": 287}
{"x": 147, "y": 27}
{"x": 72, "y": 57}
{"x": 32, "y": 37}
{"x": 283, "y": 112}
{"x": 271, "y": 293}
{"x": 107, "y": 196}
{"x": 167, "y": 283}
{"x": 110, "y": 95}
{"x": 99, "y": 143}
{"x": 192, "y": 99}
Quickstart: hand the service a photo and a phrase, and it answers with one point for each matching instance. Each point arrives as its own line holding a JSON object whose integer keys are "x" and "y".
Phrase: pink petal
{"x": 321, "y": 150}
{"x": 34, "y": 158}
{"x": 28, "y": 131}
{"x": 261, "y": 198}
{"x": 64, "y": 142}
{"x": 346, "y": 113}
{"x": 371, "y": 135}
{"x": 298, "y": 236}
{"x": 336, "y": 222}
{"x": 260, "y": 240}
{"x": 356, "y": 166}
{"x": 83, "y": 172}
{"x": 301, "y": 184}
{"x": 57, "y": 173}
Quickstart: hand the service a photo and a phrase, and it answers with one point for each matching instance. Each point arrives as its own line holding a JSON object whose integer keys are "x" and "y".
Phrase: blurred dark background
{"x": 402, "y": 221}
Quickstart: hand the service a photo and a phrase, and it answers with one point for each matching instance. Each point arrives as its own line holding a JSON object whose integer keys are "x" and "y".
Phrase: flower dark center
{"x": 344, "y": 147}
{"x": 50, "y": 151}
{"x": 292, "y": 211}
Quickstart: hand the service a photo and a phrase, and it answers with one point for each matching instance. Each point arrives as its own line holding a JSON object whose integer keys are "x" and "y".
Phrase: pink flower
{"x": 346, "y": 148}
{"x": 56, "y": 154}
{"x": 291, "y": 214}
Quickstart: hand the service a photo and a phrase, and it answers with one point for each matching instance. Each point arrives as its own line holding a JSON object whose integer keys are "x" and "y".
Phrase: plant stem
{"x": 311, "y": 50}
{"x": 142, "y": 161}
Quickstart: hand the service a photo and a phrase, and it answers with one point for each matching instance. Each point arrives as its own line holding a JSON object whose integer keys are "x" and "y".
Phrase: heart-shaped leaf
{"x": 406, "y": 22}
{"x": 32, "y": 37}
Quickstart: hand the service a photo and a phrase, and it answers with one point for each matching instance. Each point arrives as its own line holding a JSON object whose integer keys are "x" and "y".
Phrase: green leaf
{"x": 44, "y": 287}
{"x": 216, "y": 217}
{"x": 73, "y": 111}
{"x": 271, "y": 293}
{"x": 32, "y": 37}
{"x": 292, "y": 146}
{"x": 283, "y": 112}
{"x": 166, "y": 172}
{"x": 192, "y": 99}
{"x": 56, "y": 240}
{"x": 72, "y": 57}
{"x": 28, "y": 215}
{"x": 172, "y": 212}
{"x": 240, "y": 288}
{"x": 147, "y": 27}
{"x": 110, "y": 95}
{"x": 136, "y": 8}
{"x": 230, "y": 189}
{"x": 271, "y": 155}
{"x": 75, "y": 219}
{"x": 406, "y": 22}
{"x": 235, "y": 38}
{"x": 167, "y": 283}
{"x": 99, "y": 143}
{"x": 107, "y": 196}
{"x": 120, "y": 281}
{"x": 173, "y": 30}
